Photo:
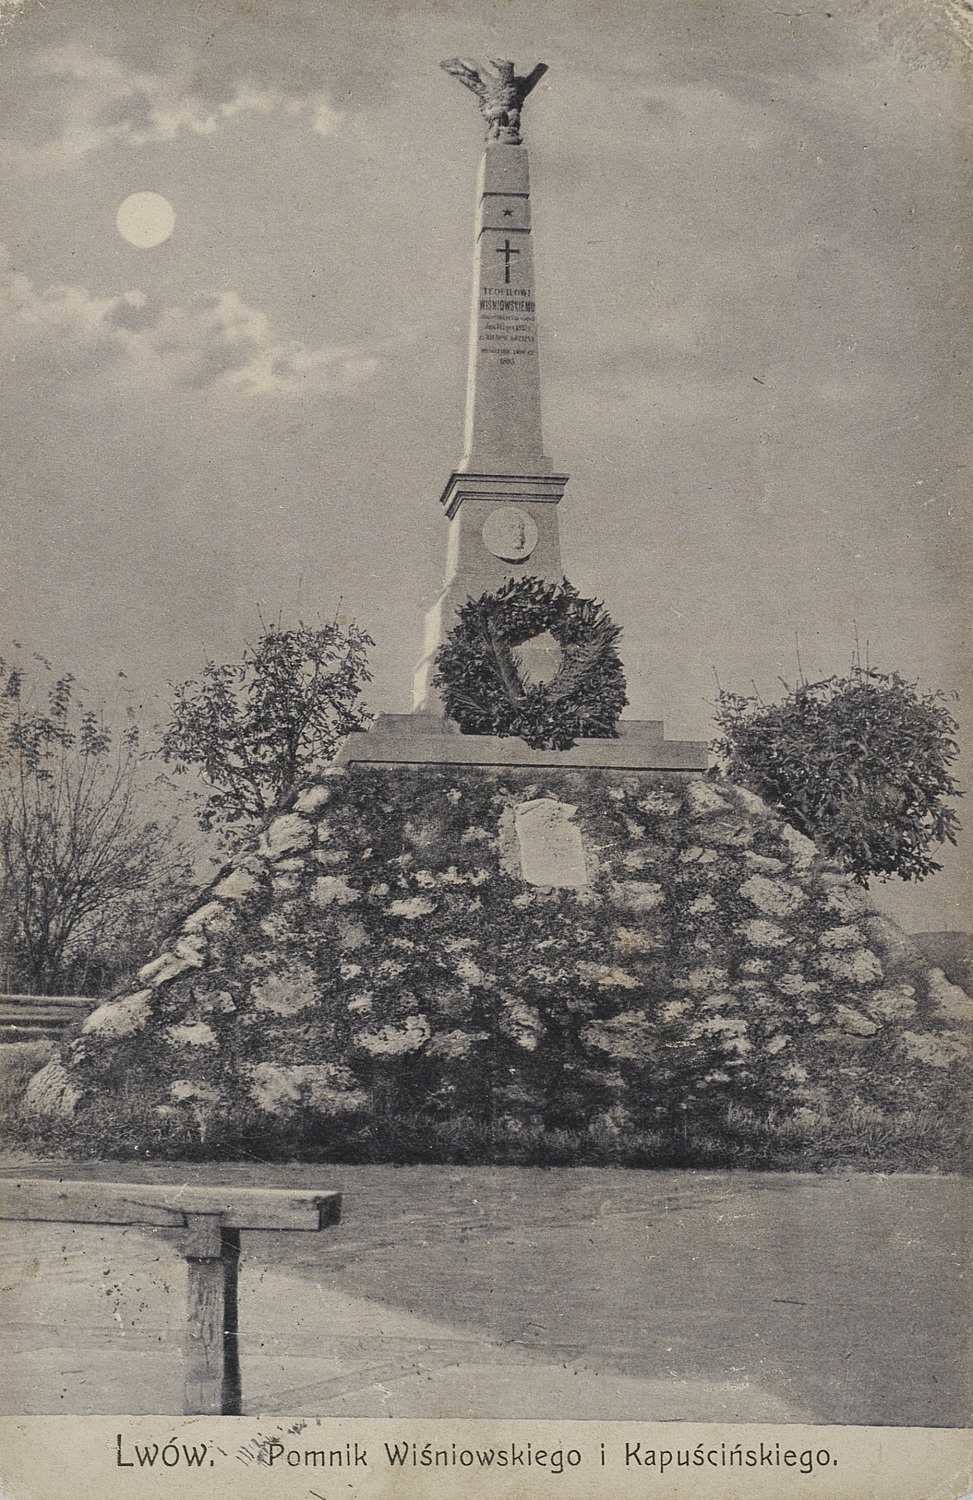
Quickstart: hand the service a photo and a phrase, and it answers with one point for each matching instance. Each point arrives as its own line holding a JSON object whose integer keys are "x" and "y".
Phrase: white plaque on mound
{"x": 551, "y": 851}
{"x": 509, "y": 533}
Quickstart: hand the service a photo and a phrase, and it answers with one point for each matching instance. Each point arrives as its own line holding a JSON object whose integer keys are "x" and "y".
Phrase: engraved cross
{"x": 506, "y": 251}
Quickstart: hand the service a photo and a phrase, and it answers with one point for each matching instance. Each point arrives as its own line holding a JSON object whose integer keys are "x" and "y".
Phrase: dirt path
{"x": 521, "y": 1292}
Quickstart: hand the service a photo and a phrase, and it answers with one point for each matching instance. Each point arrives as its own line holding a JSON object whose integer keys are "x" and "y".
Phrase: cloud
{"x": 10, "y": 10}
{"x": 99, "y": 101}
{"x": 926, "y": 32}
{"x": 217, "y": 341}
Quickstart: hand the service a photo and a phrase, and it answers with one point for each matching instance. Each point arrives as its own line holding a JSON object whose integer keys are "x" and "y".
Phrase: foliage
{"x": 485, "y": 690}
{"x": 255, "y": 728}
{"x": 859, "y": 764}
{"x": 87, "y": 880}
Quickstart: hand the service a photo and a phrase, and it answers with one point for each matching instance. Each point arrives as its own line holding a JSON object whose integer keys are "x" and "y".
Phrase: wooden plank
{"x": 18, "y": 1032}
{"x": 53, "y": 1022}
{"x": 26, "y": 1017}
{"x": 72, "y": 1002}
{"x": 166, "y": 1204}
{"x": 29, "y": 1008}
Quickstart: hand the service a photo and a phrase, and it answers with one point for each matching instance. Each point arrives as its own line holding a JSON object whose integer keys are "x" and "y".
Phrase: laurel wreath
{"x": 485, "y": 691}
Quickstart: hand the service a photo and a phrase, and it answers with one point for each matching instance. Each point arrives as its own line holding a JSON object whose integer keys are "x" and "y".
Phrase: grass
{"x": 19, "y": 1061}
{"x": 732, "y": 1136}
{"x": 863, "y": 1138}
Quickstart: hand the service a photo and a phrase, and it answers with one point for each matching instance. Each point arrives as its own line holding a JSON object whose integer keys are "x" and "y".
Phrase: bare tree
{"x": 88, "y": 880}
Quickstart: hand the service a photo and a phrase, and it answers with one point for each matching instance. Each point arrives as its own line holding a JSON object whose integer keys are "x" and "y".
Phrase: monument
{"x": 561, "y": 943}
{"x": 501, "y": 500}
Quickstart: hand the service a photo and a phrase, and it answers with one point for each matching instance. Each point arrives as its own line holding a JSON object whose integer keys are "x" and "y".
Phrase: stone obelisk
{"x": 501, "y": 500}
{"x": 503, "y": 398}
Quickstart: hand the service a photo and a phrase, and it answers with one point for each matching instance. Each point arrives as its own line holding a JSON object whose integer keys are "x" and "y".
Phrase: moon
{"x": 145, "y": 219}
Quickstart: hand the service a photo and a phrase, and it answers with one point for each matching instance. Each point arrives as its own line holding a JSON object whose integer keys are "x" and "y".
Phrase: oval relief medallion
{"x": 509, "y": 533}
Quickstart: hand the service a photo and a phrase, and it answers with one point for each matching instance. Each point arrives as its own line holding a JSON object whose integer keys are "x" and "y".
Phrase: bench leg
{"x": 212, "y": 1384}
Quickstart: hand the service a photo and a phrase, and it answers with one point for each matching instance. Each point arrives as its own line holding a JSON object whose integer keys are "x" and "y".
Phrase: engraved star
{"x": 508, "y": 213}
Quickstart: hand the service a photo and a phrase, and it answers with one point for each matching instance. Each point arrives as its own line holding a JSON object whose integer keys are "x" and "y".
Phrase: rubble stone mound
{"x": 416, "y": 961}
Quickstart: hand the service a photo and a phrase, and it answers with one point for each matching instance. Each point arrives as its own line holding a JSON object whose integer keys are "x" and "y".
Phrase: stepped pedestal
{"x": 429, "y": 739}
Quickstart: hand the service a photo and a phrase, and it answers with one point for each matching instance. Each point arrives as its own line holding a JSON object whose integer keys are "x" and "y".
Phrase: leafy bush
{"x": 254, "y": 728}
{"x": 860, "y": 764}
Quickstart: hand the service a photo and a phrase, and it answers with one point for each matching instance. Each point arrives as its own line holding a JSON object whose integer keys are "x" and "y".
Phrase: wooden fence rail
{"x": 30, "y": 1018}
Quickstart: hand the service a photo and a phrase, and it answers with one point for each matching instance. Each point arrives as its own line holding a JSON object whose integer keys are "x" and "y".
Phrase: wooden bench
{"x": 212, "y": 1218}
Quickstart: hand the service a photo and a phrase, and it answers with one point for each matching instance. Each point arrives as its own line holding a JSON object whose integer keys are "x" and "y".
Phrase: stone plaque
{"x": 510, "y": 533}
{"x": 551, "y": 851}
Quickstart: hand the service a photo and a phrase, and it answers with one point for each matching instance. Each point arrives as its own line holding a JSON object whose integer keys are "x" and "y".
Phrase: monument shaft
{"x": 503, "y": 398}
{"x": 501, "y": 500}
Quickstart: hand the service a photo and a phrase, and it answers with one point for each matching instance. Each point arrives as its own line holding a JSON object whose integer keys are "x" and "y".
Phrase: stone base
{"x": 557, "y": 966}
{"x": 426, "y": 739}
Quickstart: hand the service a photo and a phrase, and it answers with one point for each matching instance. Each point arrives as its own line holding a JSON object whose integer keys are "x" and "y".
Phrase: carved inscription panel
{"x": 506, "y": 305}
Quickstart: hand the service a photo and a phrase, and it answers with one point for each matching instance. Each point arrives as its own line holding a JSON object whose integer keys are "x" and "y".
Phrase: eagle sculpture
{"x": 501, "y": 95}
